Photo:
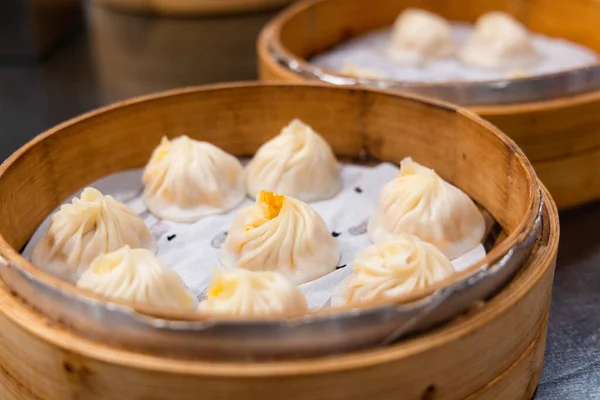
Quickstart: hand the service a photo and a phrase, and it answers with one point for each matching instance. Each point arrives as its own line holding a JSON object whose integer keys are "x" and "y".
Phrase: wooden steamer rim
{"x": 77, "y": 142}
{"x": 496, "y": 351}
{"x": 560, "y": 132}
{"x": 179, "y": 8}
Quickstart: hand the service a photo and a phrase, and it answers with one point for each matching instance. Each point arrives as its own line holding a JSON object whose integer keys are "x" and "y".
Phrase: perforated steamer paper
{"x": 192, "y": 250}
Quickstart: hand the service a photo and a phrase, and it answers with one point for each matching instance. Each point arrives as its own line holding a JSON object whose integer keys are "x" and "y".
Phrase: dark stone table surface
{"x": 113, "y": 56}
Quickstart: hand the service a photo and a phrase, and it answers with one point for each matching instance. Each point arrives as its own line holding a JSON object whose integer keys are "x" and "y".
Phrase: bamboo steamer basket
{"x": 475, "y": 357}
{"x": 558, "y": 123}
{"x": 133, "y": 55}
{"x": 191, "y": 7}
{"x": 496, "y": 349}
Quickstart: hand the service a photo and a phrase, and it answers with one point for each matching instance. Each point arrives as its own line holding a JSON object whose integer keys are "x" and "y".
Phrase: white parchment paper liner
{"x": 370, "y": 51}
{"x": 192, "y": 250}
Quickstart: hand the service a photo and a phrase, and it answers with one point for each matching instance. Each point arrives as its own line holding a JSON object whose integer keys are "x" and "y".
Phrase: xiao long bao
{"x": 137, "y": 275}
{"x": 419, "y": 202}
{"x": 298, "y": 163}
{"x": 282, "y": 234}
{"x": 358, "y": 72}
{"x": 423, "y": 47}
{"x": 87, "y": 227}
{"x": 419, "y": 35}
{"x": 400, "y": 265}
{"x": 499, "y": 41}
{"x": 186, "y": 180}
{"x": 239, "y": 292}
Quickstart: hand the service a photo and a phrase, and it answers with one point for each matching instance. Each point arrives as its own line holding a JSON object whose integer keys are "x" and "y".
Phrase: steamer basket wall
{"x": 134, "y": 55}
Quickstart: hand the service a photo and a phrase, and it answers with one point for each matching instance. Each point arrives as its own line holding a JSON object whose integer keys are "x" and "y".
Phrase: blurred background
{"x": 61, "y": 58}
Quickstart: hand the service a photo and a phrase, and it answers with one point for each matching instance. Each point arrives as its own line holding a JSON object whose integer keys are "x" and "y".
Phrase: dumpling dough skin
{"x": 499, "y": 41}
{"x": 87, "y": 227}
{"x": 419, "y": 202}
{"x": 359, "y": 72}
{"x": 282, "y": 234}
{"x": 137, "y": 275}
{"x": 419, "y": 35}
{"x": 386, "y": 270}
{"x": 298, "y": 163}
{"x": 238, "y": 292}
{"x": 186, "y": 180}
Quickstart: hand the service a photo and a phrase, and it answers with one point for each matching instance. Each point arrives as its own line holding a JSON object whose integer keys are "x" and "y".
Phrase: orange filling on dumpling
{"x": 268, "y": 206}
{"x": 103, "y": 265}
{"x": 161, "y": 153}
{"x": 221, "y": 287}
{"x": 273, "y": 203}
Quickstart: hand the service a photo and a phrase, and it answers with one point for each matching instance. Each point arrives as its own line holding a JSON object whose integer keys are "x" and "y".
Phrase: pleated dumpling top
{"x": 87, "y": 227}
{"x": 298, "y": 163}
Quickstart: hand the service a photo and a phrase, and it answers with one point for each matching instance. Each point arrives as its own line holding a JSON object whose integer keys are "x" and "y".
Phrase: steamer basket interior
{"x": 355, "y": 122}
{"x": 309, "y": 28}
{"x": 359, "y": 124}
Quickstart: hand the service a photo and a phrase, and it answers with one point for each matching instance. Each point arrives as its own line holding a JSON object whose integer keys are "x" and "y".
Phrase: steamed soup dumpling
{"x": 298, "y": 162}
{"x": 419, "y": 202}
{"x": 499, "y": 41}
{"x": 186, "y": 180}
{"x": 282, "y": 234}
{"x": 137, "y": 275}
{"x": 87, "y": 227}
{"x": 401, "y": 265}
{"x": 419, "y": 35}
{"x": 360, "y": 72}
{"x": 239, "y": 292}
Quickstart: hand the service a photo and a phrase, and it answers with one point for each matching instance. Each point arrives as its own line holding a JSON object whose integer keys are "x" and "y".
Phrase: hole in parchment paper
{"x": 218, "y": 240}
{"x": 360, "y": 229}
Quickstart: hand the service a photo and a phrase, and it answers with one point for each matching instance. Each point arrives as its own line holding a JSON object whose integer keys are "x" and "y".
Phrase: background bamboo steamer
{"x": 561, "y": 136}
{"x": 494, "y": 350}
{"x": 133, "y": 55}
{"x": 192, "y": 7}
